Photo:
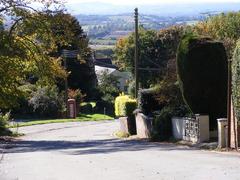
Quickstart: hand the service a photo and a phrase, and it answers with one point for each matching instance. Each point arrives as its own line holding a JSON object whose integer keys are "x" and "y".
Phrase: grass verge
{"x": 80, "y": 118}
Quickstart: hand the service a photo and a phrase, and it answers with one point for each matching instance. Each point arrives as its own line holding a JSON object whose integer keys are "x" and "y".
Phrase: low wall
{"x": 178, "y": 127}
{"x": 195, "y": 130}
{"x": 143, "y": 125}
{"x": 127, "y": 125}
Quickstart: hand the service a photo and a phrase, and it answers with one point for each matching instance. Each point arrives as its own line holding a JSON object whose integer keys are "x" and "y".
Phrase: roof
{"x": 100, "y": 69}
{"x": 104, "y": 62}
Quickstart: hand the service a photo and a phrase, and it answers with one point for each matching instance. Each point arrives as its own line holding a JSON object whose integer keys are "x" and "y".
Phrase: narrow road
{"x": 88, "y": 151}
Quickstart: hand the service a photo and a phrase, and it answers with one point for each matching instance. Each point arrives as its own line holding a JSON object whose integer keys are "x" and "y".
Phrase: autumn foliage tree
{"x": 223, "y": 27}
{"x": 24, "y": 48}
{"x": 67, "y": 29}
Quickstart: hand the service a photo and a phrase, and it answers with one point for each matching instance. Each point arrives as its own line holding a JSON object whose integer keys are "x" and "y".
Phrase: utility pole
{"x": 229, "y": 99}
{"x": 136, "y": 53}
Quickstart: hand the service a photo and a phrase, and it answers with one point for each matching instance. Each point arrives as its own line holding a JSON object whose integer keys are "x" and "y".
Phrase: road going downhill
{"x": 88, "y": 151}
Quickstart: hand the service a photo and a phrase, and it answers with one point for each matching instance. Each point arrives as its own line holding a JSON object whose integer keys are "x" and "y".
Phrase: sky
{"x": 122, "y": 2}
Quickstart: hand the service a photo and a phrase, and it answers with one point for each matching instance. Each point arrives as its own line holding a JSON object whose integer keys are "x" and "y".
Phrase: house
{"x": 104, "y": 62}
{"x": 105, "y": 65}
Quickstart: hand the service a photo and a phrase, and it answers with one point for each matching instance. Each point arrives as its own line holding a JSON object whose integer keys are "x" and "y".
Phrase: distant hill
{"x": 106, "y": 29}
{"x": 158, "y": 9}
{"x": 105, "y": 23}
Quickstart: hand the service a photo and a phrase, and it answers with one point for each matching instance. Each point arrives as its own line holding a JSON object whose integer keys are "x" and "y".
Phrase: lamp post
{"x": 67, "y": 54}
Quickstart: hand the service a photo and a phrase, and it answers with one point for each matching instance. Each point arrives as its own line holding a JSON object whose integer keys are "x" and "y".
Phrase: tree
{"x": 68, "y": 34}
{"x": 24, "y": 49}
{"x": 223, "y": 27}
{"x": 108, "y": 86}
{"x": 156, "y": 50}
{"x": 67, "y": 29}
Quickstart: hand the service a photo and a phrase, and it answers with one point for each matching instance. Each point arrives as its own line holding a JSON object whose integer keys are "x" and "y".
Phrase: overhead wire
{"x": 149, "y": 60}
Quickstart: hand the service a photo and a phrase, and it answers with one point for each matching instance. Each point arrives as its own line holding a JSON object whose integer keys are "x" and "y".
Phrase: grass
{"x": 80, "y": 118}
{"x": 92, "y": 103}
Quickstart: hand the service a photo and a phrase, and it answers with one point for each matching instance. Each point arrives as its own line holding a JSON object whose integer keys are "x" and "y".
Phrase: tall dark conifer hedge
{"x": 236, "y": 80}
{"x": 202, "y": 75}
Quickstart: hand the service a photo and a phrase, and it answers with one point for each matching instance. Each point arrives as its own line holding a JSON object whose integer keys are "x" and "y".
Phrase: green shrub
{"x": 104, "y": 107}
{"x": 162, "y": 124}
{"x": 236, "y": 80}
{"x": 47, "y": 102}
{"x": 147, "y": 100}
{"x": 86, "y": 108}
{"x": 162, "y": 121}
{"x": 124, "y": 105}
{"x": 4, "y": 120}
{"x": 202, "y": 75}
{"x": 119, "y": 107}
{"x": 130, "y": 106}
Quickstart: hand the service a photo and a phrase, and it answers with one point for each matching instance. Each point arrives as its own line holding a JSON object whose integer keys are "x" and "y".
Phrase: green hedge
{"x": 236, "y": 80}
{"x": 162, "y": 124}
{"x": 202, "y": 75}
{"x": 86, "y": 108}
{"x": 104, "y": 107}
{"x": 124, "y": 105}
{"x": 147, "y": 100}
{"x": 130, "y": 107}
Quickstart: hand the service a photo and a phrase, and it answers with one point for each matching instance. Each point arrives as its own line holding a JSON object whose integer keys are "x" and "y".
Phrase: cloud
{"x": 132, "y": 2}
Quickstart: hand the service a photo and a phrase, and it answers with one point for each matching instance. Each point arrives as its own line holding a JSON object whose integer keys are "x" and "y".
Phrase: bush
{"x": 104, "y": 107}
{"x": 202, "y": 75}
{"x": 162, "y": 124}
{"x": 47, "y": 102}
{"x": 86, "y": 108}
{"x": 4, "y": 119}
{"x": 130, "y": 107}
{"x": 119, "y": 108}
{"x": 236, "y": 80}
{"x": 124, "y": 105}
{"x": 23, "y": 108}
{"x": 147, "y": 100}
{"x": 76, "y": 94}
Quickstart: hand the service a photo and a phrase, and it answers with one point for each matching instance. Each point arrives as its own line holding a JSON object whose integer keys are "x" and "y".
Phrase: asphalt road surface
{"x": 89, "y": 151}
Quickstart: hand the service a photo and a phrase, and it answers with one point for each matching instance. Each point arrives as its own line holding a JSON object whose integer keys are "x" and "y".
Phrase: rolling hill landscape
{"x": 104, "y": 23}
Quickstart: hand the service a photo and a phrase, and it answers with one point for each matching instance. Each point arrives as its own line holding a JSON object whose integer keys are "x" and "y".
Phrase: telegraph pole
{"x": 136, "y": 53}
{"x": 229, "y": 98}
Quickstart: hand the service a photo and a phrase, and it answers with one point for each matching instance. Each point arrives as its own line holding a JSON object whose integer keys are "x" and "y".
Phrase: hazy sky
{"x": 122, "y": 2}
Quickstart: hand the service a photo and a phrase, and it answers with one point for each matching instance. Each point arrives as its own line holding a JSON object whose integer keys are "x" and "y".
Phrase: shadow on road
{"x": 91, "y": 147}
